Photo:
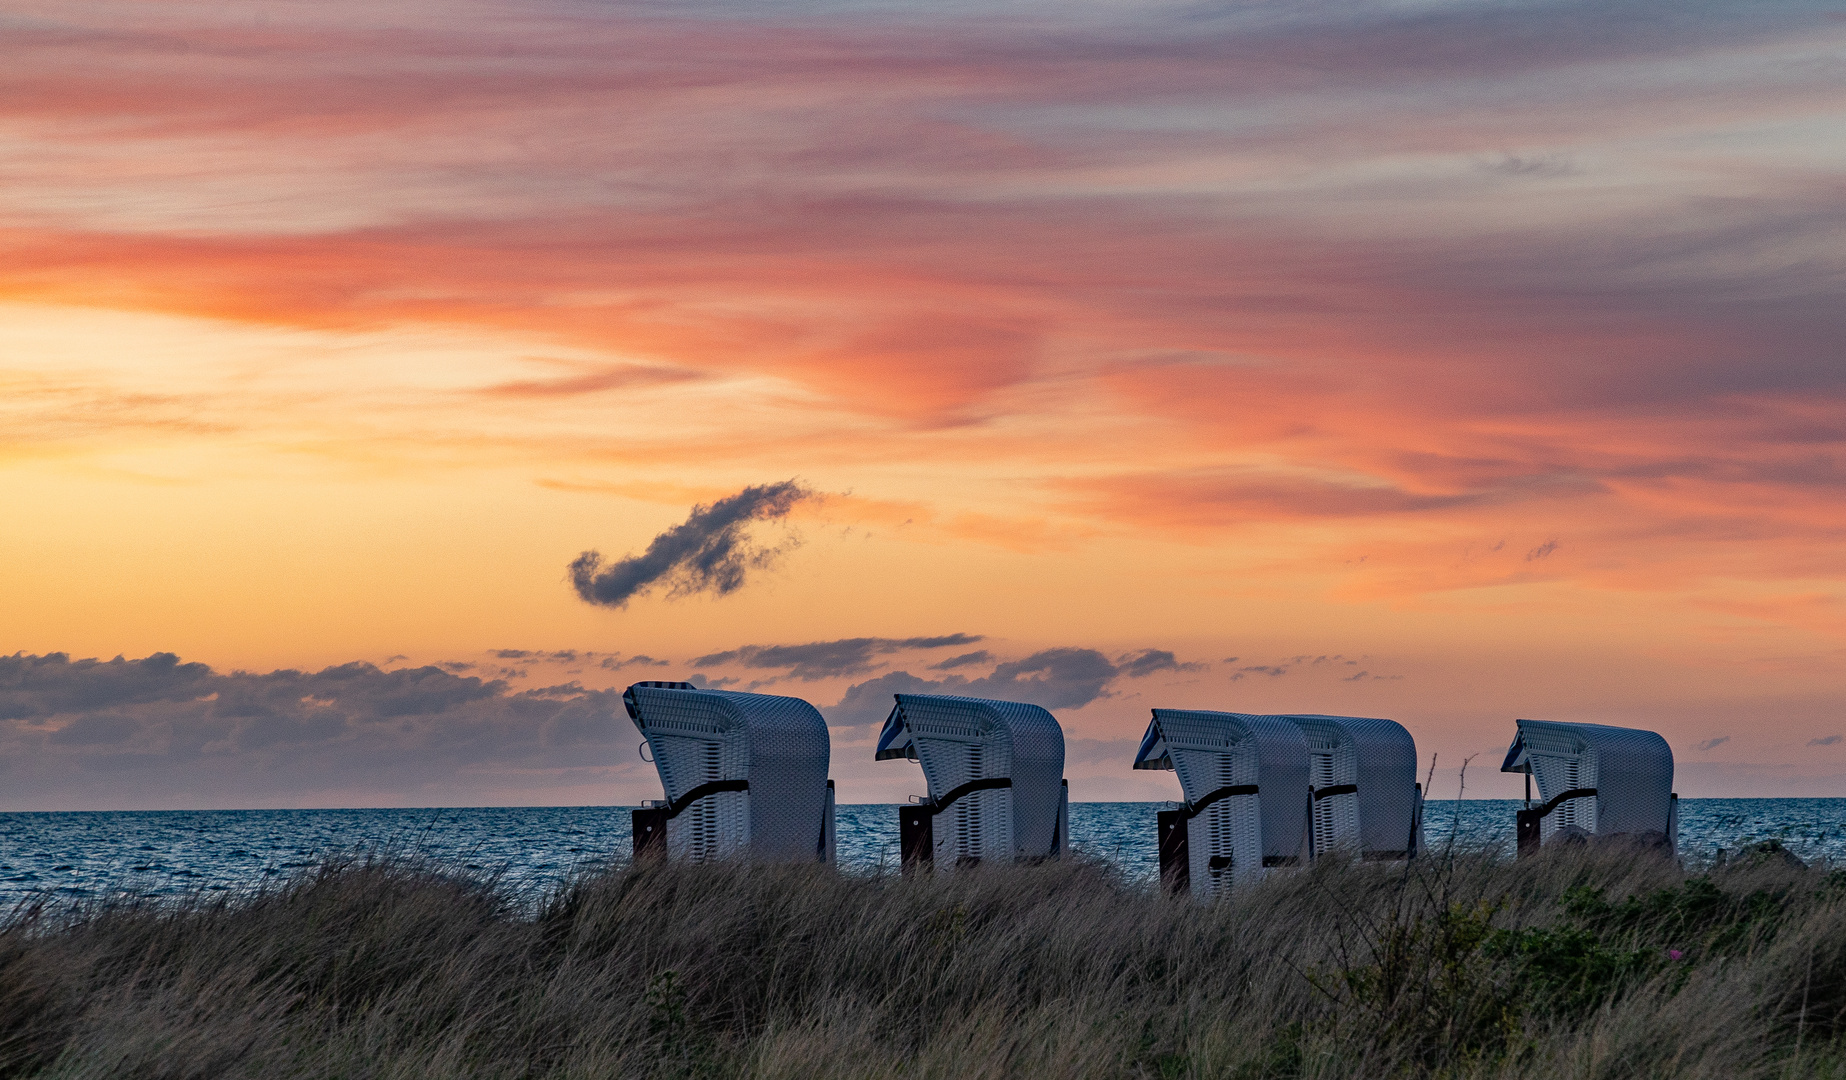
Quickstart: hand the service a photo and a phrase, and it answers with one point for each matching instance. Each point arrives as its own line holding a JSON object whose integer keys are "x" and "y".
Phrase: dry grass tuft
{"x": 1581, "y": 963}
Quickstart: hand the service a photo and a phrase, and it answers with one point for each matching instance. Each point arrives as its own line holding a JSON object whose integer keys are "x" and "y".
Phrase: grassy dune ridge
{"x": 1580, "y": 963}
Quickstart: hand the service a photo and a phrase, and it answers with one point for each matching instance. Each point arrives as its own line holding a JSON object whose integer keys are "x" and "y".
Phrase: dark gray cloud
{"x": 1147, "y": 661}
{"x": 158, "y": 732}
{"x": 1334, "y": 663}
{"x": 1546, "y": 166}
{"x": 555, "y": 656}
{"x": 618, "y": 661}
{"x": 870, "y": 702}
{"x": 1067, "y": 678}
{"x": 704, "y": 683}
{"x": 711, "y": 551}
{"x": 828, "y": 659}
{"x": 1825, "y": 740}
{"x": 34, "y": 687}
{"x": 613, "y": 661}
{"x": 558, "y": 656}
{"x": 1054, "y": 678}
{"x": 94, "y": 731}
{"x": 967, "y": 659}
{"x": 1713, "y": 744}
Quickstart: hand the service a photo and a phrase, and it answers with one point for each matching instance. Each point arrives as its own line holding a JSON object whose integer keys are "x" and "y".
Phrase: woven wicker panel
{"x": 1561, "y": 761}
{"x": 1383, "y": 763}
{"x": 711, "y": 827}
{"x": 1229, "y": 832}
{"x": 789, "y": 757}
{"x": 980, "y": 824}
{"x": 1335, "y": 822}
{"x": 1333, "y": 819}
{"x": 1038, "y": 776}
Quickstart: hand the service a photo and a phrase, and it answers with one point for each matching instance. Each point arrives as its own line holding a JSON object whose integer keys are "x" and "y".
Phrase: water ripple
{"x": 164, "y": 853}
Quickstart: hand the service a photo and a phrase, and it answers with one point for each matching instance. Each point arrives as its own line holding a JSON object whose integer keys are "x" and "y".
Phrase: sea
{"x": 533, "y": 850}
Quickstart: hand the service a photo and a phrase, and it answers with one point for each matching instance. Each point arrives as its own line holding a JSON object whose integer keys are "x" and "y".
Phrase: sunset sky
{"x": 1446, "y": 361}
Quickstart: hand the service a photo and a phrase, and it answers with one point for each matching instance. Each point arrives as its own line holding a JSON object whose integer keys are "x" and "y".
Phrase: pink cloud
{"x": 1433, "y": 262}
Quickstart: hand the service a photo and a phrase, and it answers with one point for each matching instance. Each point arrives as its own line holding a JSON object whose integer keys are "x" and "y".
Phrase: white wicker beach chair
{"x": 1594, "y": 780}
{"x": 1362, "y": 775}
{"x": 995, "y": 771}
{"x": 1245, "y": 781}
{"x": 744, "y": 774}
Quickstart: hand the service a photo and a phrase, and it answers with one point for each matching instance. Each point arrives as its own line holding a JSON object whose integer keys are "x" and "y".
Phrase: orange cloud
{"x": 1282, "y": 319}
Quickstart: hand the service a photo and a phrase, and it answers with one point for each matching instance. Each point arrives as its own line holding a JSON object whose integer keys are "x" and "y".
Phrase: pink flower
{"x": 1675, "y": 954}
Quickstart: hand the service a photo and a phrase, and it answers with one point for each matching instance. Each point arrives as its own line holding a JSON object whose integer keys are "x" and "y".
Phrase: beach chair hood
{"x": 995, "y": 771}
{"x": 1596, "y": 779}
{"x": 742, "y": 773}
{"x": 1245, "y": 781}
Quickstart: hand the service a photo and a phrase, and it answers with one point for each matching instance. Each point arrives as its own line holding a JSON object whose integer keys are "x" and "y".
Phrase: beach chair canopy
{"x": 742, "y": 773}
{"x": 1245, "y": 781}
{"x": 1363, "y": 774}
{"x": 995, "y": 771}
{"x": 1595, "y": 779}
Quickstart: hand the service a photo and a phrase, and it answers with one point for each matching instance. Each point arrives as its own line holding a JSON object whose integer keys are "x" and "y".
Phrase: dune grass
{"x": 1579, "y": 963}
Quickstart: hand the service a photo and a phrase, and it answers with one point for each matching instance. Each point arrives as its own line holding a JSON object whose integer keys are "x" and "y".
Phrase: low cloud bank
{"x": 159, "y": 732}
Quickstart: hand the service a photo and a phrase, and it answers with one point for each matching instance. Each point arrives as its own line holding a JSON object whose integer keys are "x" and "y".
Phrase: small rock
{"x": 1771, "y": 849}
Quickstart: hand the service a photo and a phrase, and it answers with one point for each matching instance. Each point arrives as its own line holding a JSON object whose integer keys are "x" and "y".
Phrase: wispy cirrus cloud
{"x": 621, "y": 377}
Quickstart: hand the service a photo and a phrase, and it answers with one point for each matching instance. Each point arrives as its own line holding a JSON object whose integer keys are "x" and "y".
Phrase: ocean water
{"x": 531, "y": 849}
